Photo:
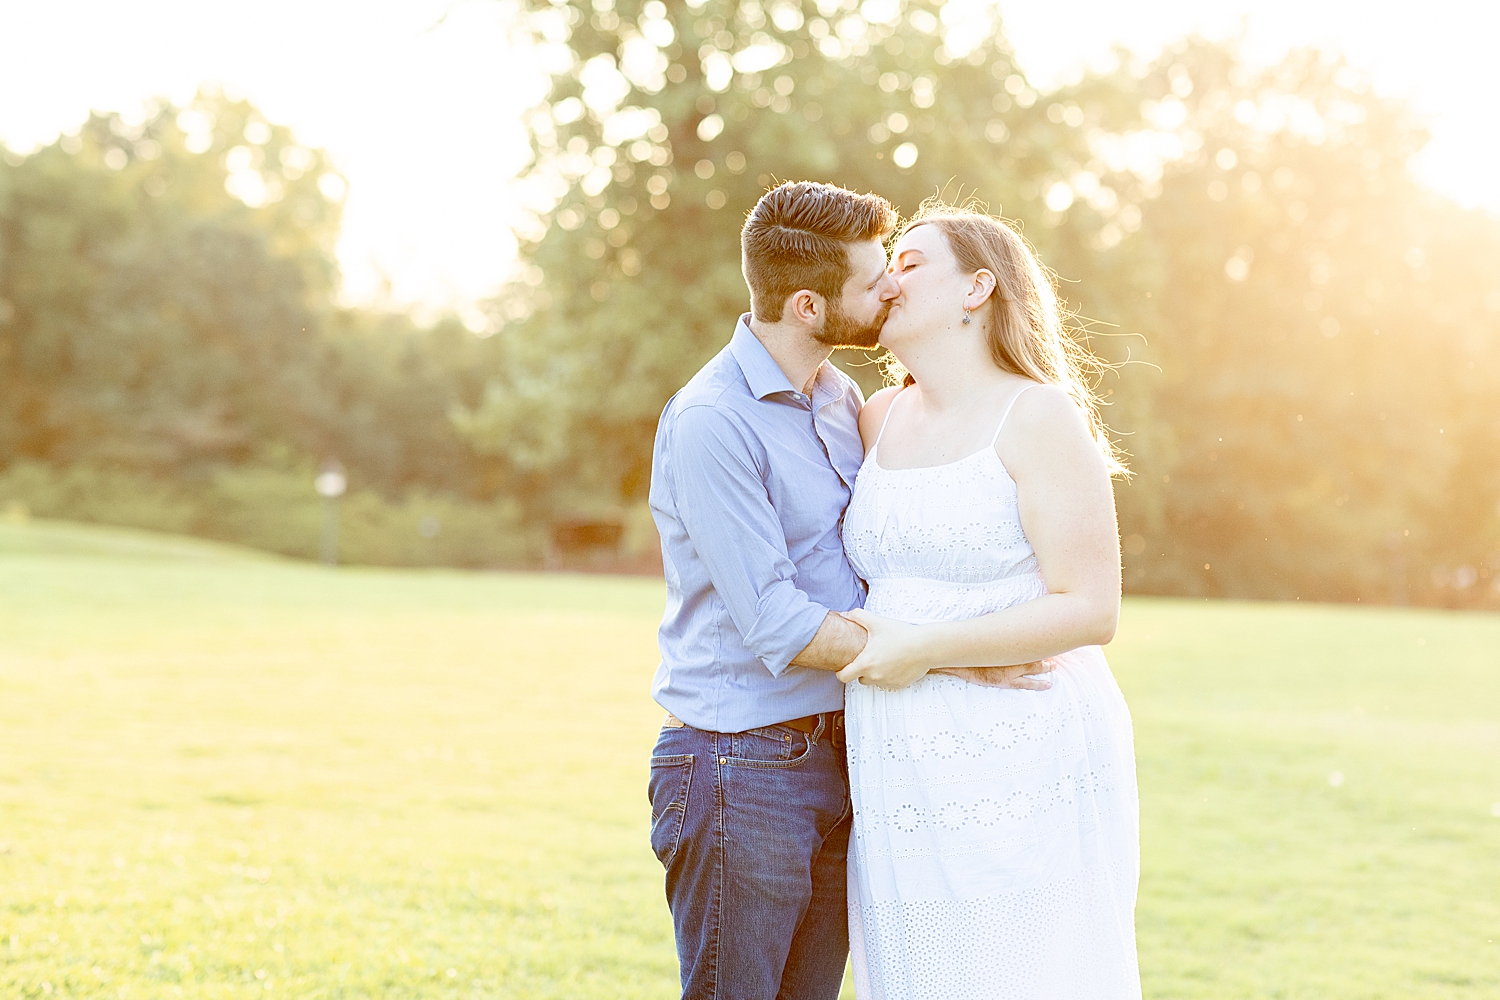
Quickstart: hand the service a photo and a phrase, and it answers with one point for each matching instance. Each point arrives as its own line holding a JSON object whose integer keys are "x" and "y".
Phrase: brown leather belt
{"x": 809, "y": 723}
{"x": 834, "y": 728}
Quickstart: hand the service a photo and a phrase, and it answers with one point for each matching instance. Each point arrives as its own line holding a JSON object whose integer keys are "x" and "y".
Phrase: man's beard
{"x": 841, "y": 330}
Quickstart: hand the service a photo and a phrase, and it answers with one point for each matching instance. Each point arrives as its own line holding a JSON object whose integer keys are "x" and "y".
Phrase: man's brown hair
{"x": 797, "y": 237}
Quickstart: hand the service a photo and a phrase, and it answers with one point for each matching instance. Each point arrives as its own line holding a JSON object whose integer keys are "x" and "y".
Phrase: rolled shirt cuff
{"x": 785, "y": 622}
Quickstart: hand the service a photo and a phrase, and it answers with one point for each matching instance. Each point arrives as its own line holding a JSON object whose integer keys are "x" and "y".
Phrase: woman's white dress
{"x": 995, "y": 853}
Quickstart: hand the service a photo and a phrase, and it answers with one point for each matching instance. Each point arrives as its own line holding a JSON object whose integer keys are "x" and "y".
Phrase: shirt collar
{"x": 764, "y": 375}
{"x": 761, "y": 371}
{"x": 829, "y": 384}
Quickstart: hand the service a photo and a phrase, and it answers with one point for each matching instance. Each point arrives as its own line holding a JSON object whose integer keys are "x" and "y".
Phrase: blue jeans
{"x": 753, "y": 830}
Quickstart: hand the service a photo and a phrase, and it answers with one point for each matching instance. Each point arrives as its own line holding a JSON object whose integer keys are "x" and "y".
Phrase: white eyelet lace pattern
{"x": 995, "y": 840}
{"x": 1025, "y": 944}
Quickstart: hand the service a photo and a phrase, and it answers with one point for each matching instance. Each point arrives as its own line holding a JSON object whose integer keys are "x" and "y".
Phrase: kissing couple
{"x": 892, "y": 734}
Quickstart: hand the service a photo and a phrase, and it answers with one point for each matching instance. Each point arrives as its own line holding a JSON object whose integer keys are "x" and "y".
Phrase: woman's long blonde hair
{"x": 1025, "y": 328}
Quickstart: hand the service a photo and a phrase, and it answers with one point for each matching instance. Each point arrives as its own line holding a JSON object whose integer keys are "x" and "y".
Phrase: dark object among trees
{"x": 571, "y": 537}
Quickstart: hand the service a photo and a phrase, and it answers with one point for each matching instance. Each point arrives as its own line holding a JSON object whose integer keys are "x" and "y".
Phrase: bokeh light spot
{"x": 1059, "y": 196}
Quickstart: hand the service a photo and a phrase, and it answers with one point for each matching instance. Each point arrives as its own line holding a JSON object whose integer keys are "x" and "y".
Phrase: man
{"x": 755, "y": 461}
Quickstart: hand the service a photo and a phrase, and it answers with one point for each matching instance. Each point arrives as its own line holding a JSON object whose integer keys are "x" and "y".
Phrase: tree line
{"x": 172, "y": 355}
{"x": 1304, "y": 339}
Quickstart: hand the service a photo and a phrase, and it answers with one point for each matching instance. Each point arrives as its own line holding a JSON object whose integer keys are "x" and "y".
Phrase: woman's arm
{"x": 1067, "y": 509}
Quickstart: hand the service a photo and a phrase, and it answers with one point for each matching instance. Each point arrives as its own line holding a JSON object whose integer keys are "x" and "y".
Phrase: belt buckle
{"x": 673, "y": 722}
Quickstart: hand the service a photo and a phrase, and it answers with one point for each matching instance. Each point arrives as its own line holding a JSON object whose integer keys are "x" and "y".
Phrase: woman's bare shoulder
{"x": 1045, "y": 425}
{"x": 873, "y": 415}
{"x": 1044, "y": 403}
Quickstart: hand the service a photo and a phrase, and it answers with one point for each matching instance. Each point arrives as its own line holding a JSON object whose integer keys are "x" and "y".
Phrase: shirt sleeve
{"x": 722, "y": 503}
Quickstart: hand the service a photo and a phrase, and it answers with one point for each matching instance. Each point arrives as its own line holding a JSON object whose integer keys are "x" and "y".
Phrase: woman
{"x": 995, "y": 851}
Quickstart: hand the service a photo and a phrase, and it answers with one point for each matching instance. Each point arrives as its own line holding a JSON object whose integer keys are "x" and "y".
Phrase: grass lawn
{"x": 226, "y": 775}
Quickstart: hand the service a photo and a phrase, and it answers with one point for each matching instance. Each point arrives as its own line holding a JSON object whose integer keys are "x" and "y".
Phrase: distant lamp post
{"x": 330, "y": 484}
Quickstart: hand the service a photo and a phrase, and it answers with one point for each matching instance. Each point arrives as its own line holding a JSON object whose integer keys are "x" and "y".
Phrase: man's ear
{"x": 805, "y": 306}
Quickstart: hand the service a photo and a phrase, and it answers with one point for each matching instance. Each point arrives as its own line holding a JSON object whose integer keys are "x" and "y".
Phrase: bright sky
{"x": 423, "y": 117}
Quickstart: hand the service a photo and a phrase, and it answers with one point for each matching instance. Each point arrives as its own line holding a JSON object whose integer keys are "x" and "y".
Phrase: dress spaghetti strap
{"x": 1001, "y": 426}
{"x": 888, "y": 411}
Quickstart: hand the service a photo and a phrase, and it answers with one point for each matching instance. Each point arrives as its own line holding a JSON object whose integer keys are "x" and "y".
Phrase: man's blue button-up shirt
{"x": 749, "y": 481}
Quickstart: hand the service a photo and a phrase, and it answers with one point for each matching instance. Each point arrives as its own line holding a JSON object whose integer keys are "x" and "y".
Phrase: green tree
{"x": 1327, "y": 355}
{"x": 1256, "y": 237}
{"x": 166, "y": 305}
{"x": 171, "y": 356}
{"x": 669, "y": 122}
{"x": 148, "y": 316}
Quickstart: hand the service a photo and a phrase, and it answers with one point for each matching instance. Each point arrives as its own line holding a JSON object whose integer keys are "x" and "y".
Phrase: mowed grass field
{"x": 226, "y": 775}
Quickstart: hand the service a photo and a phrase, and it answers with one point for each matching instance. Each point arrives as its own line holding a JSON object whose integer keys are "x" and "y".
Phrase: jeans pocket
{"x": 671, "y": 780}
{"x": 770, "y": 743}
{"x": 792, "y": 754}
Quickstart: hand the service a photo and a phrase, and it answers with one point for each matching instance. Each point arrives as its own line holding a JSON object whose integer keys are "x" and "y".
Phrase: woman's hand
{"x": 893, "y": 654}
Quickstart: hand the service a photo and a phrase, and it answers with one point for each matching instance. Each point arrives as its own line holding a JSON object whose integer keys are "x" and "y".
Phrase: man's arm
{"x": 835, "y": 646}
{"x": 1027, "y": 676}
{"x": 721, "y": 500}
